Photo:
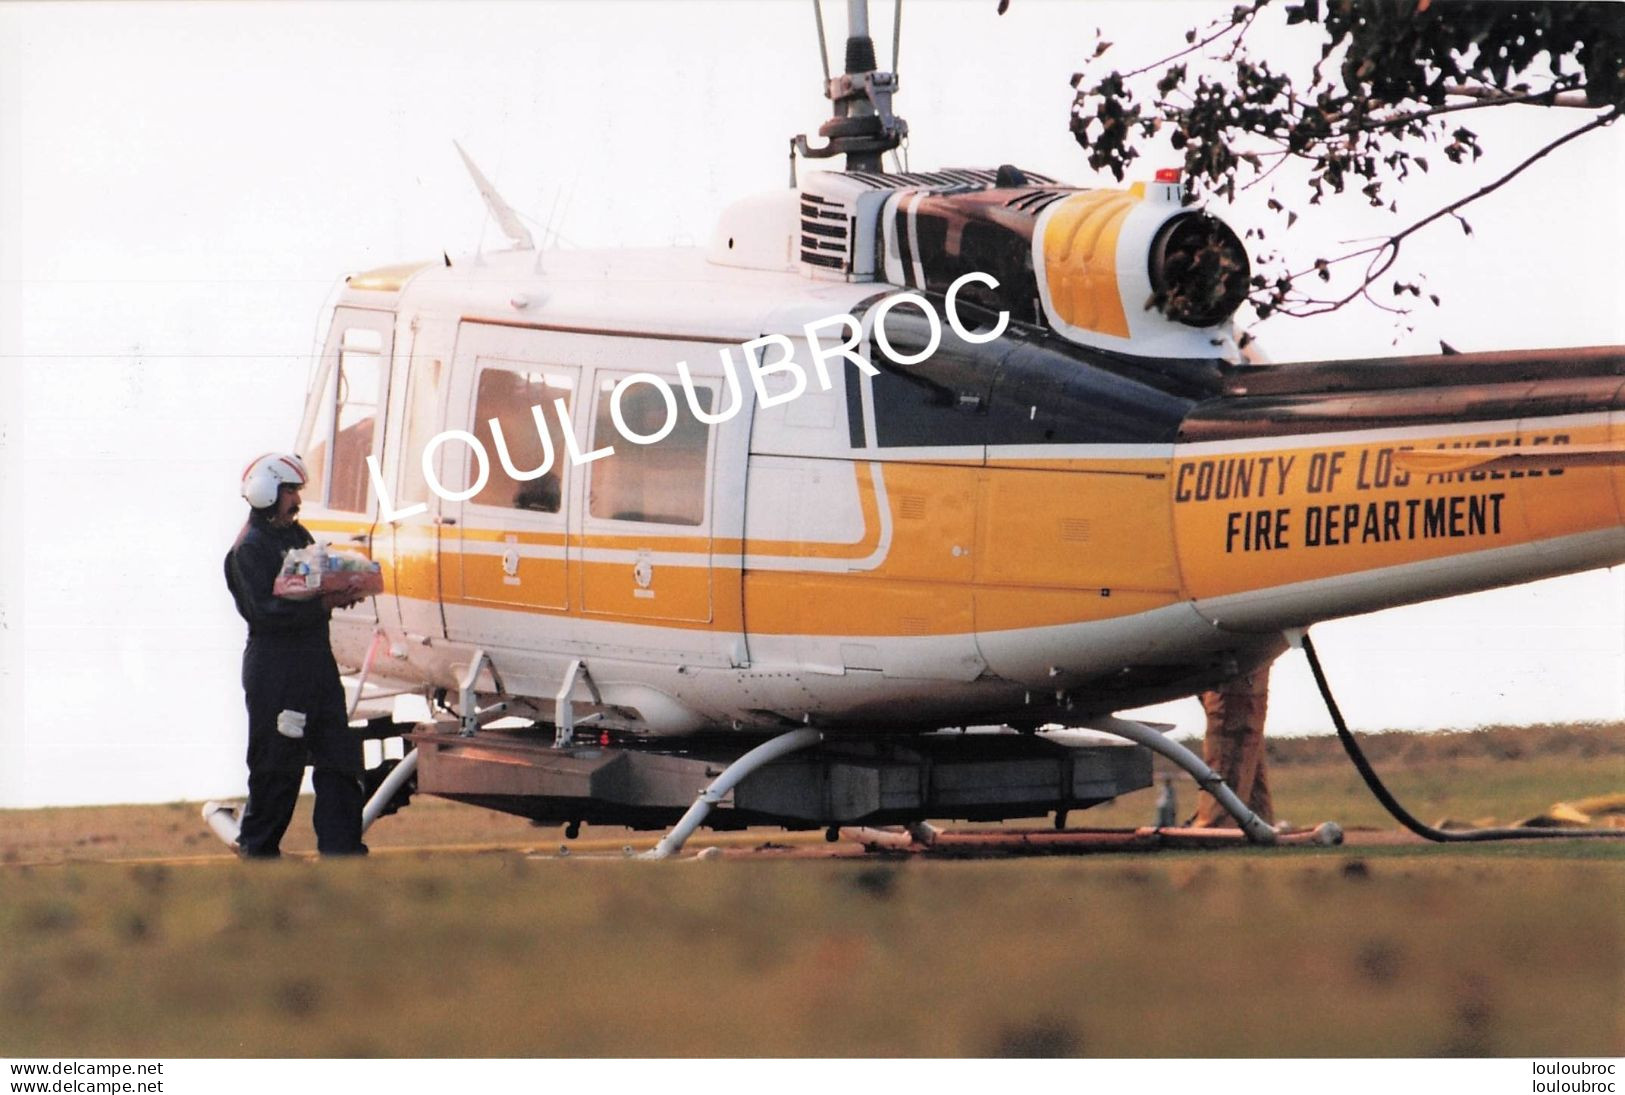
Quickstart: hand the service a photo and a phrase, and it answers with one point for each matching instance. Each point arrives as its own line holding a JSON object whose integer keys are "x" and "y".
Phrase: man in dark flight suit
{"x": 296, "y": 708}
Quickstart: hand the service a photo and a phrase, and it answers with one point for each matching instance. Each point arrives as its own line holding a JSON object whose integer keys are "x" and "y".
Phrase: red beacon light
{"x": 1166, "y": 175}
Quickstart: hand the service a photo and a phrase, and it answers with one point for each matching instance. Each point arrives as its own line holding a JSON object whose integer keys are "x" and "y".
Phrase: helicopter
{"x": 897, "y": 453}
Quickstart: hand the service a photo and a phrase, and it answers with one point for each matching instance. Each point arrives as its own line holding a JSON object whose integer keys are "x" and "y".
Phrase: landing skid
{"x": 978, "y": 844}
{"x": 798, "y": 780}
{"x": 927, "y": 842}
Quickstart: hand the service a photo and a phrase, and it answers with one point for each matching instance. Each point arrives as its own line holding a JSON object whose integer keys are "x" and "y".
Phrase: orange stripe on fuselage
{"x": 1049, "y": 541}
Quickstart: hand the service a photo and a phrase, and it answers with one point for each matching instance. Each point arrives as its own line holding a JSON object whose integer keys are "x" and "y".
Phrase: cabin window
{"x": 360, "y": 368}
{"x": 507, "y": 395}
{"x": 663, "y": 483}
{"x": 422, "y": 418}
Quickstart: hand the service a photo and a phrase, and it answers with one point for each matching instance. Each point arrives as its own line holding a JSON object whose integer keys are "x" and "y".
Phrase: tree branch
{"x": 1490, "y": 188}
{"x": 1576, "y": 96}
{"x": 1235, "y": 24}
{"x": 1282, "y": 157}
{"x": 1548, "y": 97}
{"x": 1385, "y": 253}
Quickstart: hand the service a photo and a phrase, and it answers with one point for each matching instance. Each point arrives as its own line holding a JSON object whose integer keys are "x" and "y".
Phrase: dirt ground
{"x": 129, "y": 931}
{"x": 1491, "y": 775}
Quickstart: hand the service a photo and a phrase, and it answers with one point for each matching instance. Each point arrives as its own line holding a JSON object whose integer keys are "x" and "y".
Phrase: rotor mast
{"x": 862, "y": 127}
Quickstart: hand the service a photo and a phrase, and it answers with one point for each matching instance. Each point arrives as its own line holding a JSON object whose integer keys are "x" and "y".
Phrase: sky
{"x": 182, "y": 187}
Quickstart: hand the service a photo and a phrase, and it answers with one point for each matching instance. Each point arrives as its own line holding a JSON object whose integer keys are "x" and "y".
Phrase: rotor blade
{"x": 1448, "y": 461}
{"x": 505, "y": 217}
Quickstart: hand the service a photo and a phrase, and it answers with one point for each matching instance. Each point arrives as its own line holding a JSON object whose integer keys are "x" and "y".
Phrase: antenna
{"x": 863, "y": 127}
{"x": 503, "y": 213}
{"x": 896, "y": 36}
{"x": 823, "y": 46}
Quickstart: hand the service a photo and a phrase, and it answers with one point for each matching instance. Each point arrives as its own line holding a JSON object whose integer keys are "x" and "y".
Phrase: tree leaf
{"x": 1356, "y": 126}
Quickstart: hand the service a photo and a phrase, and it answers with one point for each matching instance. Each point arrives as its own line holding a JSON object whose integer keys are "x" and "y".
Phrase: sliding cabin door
{"x": 409, "y": 546}
{"x": 506, "y": 573}
{"x": 611, "y": 556}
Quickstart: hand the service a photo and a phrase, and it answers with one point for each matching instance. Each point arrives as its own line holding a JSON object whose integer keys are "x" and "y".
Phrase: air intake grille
{"x": 840, "y": 211}
{"x": 826, "y": 233}
{"x": 1035, "y": 201}
{"x": 975, "y": 178}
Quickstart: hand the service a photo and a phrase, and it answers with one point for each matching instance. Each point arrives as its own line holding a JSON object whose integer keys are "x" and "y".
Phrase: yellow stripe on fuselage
{"x": 1036, "y": 542}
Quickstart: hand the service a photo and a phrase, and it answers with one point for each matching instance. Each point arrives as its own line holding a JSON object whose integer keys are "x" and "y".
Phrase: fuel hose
{"x": 1391, "y": 804}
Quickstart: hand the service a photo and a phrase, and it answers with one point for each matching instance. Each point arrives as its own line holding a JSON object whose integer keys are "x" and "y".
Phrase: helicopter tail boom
{"x": 1313, "y": 491}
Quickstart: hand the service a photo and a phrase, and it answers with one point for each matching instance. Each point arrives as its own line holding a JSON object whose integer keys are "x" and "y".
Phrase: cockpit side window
{"x": 345, "y": 420}
{"x": 661, "y": 483}
{"x": 360, "y": 369}
{"x": 317, "y": 448}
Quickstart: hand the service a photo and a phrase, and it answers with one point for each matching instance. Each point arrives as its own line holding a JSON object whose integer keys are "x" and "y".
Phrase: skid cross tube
{"x": 366, "y": 668}
{"x": 1257, "y": 829}
{"x": 765, "y": 753}
{"x": 226, "y": 821}
{"x": 386, "y": 790}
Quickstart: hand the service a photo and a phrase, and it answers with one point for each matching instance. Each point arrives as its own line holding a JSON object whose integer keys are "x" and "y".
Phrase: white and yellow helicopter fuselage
{"x": 1087, "y": 512}
{"x": 894, "y": 454}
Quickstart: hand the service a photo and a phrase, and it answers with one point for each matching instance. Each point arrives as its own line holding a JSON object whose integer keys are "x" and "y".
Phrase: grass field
{"x": 1504, "y": 950}
{"x": 1497, "y": 774}
{"x": 1500, "y": 773}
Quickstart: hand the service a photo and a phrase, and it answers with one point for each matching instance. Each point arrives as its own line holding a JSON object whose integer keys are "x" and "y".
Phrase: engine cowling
{"x": 1132, "y": 270}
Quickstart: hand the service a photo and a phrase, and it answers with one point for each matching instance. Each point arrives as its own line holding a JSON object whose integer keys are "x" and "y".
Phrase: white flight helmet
{"x": 264, "y": 477}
